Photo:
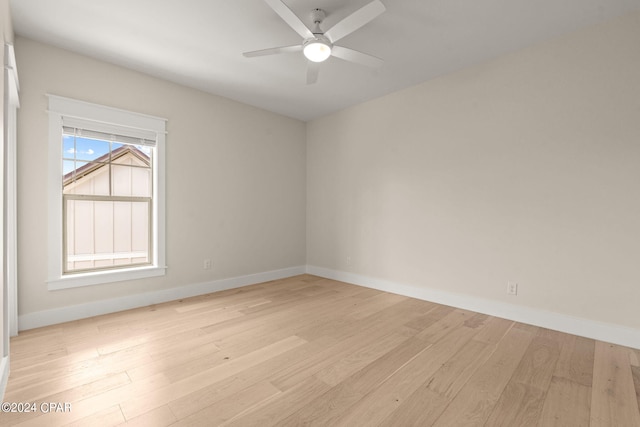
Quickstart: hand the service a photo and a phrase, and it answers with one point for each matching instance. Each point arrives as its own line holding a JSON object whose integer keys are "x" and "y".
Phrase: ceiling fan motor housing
{"x": 318, "y": 15}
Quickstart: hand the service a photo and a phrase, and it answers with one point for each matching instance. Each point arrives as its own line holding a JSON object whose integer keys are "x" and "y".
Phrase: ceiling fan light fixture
{"x": 317, "y": 49}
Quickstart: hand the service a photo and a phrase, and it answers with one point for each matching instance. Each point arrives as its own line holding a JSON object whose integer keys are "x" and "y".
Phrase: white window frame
{"x": 59, "y": 108}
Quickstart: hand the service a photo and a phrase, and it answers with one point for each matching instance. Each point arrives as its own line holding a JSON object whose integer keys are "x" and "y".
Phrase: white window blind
{"x": 108, "y": 132}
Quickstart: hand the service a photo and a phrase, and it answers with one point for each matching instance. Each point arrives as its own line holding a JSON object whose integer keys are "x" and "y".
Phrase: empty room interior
{"x": 339, "y": 213}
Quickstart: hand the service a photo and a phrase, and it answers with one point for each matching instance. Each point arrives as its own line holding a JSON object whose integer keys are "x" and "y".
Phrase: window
{"x": 106, "y": 200}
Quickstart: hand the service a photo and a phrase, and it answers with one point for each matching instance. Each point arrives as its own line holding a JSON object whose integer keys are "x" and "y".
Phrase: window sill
{"x": 101, "y": 277}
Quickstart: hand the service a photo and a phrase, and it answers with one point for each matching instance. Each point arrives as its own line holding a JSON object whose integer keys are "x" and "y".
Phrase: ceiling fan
{"x": 319, "y": 45}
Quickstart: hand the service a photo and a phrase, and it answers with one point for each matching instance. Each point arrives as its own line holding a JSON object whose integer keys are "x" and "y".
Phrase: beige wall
{"x": 235, "y": 177}
{"x": 525, "y": 168}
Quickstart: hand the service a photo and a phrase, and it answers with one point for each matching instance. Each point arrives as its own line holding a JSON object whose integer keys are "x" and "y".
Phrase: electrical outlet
{"x": 512, "y": 288}
{"x": 207, "y": 264}
{"x": 348, "y": 260}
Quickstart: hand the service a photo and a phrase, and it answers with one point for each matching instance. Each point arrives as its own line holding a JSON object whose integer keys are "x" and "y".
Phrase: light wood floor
{"x": 306, "y": 350}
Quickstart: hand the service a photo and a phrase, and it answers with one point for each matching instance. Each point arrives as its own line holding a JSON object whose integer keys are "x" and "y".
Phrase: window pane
{"x": 132, "y": 155}
{"x": 103, "y": 220}
{"x": 68, "y": 147}
{"x": 131, "y": 181}
{"x": 70, "y": 231}
{"x": 122, "y": 227}
{"x": 90, "y": 178}
{"x": 140, "y": 228}
{"x": 72, "y": 171}
{"x": 103, "y": 234}
{"x": 80, "y": 227}
{"x": 131, "y": 172}
{"x": 92, "y": 149}
{"x": 141, "y": 182}
{"x": 131, "y": 231}
{"x": 68, "y": 167}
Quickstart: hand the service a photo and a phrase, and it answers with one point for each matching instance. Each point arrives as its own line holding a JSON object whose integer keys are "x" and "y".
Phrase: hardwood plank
{"x": 567, "y": 404}
{"x": 476, "y": 321}
{"x": 340, "y": 398}
{"x": 367, "y": 379}
{"x": 522, "y": 400}
{"x": 538, "y": 363}
{"x": 69, "y": 365}
{"x": 442, "y": 327}
{"x": 251, "y": 339}
{"x": 49, "y": 355}
{"x": 105, "y": 418}
{"x": 88, "y": 406}
{"x": 286, "y": 404}
{"x": 495, "y": 328}
{"x": 312, "y": 310}
{"x": 296, "y": 372}
{"x": 46, "y": 339}
{"x": 339, "y": 324}
{"x": 576, "y": 360}
{"x": 367, "y": 335}
{"x": 421, "y": 408}
{"x": 455, "y": 372}
{"x": 353, "y": 362}
{"x": 635, "y": 372}
{"x": 233, "y": 406}
{"x": 375, "y": 304}
{"x": 74, "y": 387}
{"x": 159, "y": 417}
{"x": 396, "y": 315}
{"x": 431, "y": 317}
{"x": 173, "y": 330}
{"x": 188, "y": 378}
{"x": 519, "y": 405}
{"x": 216, "y": 391}
{"x": 325, "y": 409}
{"x": 67, "y": 393}
{"x": 475, "y": 402}
{"x": 527, "y": 328}
{"x": 389, "y": 395}
{"x": 289, "y": 299}
{"x": 612, "y": 400}
{"x": 419, "y": 306}
{"x": 169, "y": 364}
{"x": 206, "y": 303}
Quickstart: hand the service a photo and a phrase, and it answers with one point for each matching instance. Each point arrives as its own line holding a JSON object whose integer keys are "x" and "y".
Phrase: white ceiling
{"x": 199, "y": 43}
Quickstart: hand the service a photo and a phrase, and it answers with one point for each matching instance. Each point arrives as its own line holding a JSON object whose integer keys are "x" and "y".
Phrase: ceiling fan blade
{"x": 357, "y": 19}
{"x": 290, "y": 18}
{"x": 355, "y": 56}
{"x": 313, "y": 68}
{"x": 273, "y": 51}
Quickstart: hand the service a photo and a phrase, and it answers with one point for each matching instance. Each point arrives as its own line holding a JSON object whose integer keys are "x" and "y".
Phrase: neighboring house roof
{"x": 103, "y": 161}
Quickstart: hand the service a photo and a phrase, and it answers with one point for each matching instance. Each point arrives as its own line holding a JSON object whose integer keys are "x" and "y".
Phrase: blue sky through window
{"x": 78, "y": 151}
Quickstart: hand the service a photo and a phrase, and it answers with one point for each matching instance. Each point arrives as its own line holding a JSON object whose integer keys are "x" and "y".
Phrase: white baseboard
{"x": 601, "y": 331}
{"x": 4, "y": 378}
{"x": 96, "y": 308}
